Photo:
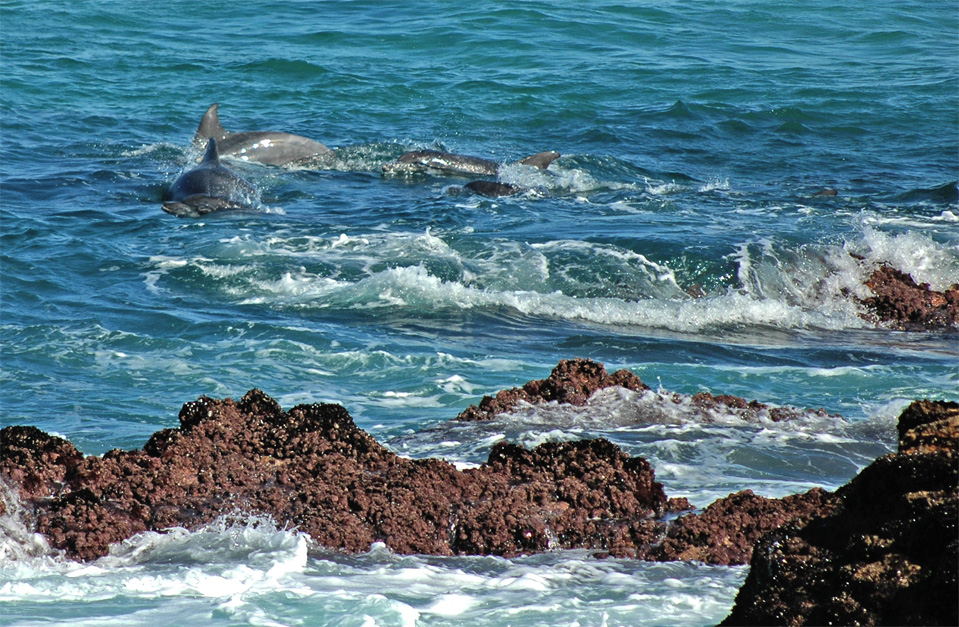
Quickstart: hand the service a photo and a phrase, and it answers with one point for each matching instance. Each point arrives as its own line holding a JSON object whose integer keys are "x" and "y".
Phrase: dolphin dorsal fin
{"x": 210, "y": 124}
{"x": 541, "y": 159}
{"x": 212, "y": 155}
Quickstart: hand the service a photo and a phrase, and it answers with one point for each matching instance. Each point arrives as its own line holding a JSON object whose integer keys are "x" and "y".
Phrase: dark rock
{"x": 749, "y": 411}
{"x": 903, "y": 304}
{"x": 313, "y": 468}
{"x": 881, "y": 550}
{"x": 35, "y": 461}
{"x": 888, "y": 552}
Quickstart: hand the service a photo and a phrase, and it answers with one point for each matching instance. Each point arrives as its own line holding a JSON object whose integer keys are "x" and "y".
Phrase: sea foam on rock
{"x": 575, "y": 381}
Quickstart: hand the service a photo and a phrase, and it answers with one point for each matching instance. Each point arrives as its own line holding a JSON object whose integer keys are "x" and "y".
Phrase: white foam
{"x": 914, "y": 253}
{"x": 663, "y": 189}
{"x": 234, "y": 569}
{"x": 715, "y": 185}
{"x": 22, "y": 551}
{"x": 148, "y": 149}
{"x": 565, "y": 279}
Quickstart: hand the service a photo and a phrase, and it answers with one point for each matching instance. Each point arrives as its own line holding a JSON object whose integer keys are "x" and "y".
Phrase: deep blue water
{"x": 677, "y": 236}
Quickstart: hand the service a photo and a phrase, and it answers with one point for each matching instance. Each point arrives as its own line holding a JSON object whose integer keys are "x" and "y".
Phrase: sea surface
{"x": 679, "y": 236}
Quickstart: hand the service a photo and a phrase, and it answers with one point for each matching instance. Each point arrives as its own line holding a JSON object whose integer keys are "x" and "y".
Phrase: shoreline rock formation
{"x": 888, "y": 551}
{"x": 313, "y": 468}
{"x": 883, "y": 548}
{"x": 574, "y": 381}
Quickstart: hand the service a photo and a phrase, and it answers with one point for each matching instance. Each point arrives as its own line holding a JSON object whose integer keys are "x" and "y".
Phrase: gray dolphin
{"x": 423, "y": 160}
{"x": 207, "y": 188}
{"x": 272, "y": 147}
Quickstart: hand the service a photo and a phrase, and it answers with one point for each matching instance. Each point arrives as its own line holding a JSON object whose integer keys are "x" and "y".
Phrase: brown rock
{"x": 927, "y": 427}
{"x": 903, "y": 304}
{"x": 313, "y": 468}
{"x": 726, "y": 531}
{"x": 574, "y": 381}
{"x": 38, "y": 462}
{"x": 886, "y": 555}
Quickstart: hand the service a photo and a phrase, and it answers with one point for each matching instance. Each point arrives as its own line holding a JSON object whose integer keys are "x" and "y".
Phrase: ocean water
{"x": 677, "y": 236}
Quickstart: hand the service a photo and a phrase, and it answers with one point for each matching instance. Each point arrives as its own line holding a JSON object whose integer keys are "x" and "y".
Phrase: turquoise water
{"x": 677, "y": 236}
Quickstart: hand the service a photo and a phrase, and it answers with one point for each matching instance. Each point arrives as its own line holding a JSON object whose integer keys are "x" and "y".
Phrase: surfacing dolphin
{"x": 207, "y": 188}
{"x": 449, "y": 163}
{"x": 271, "y": 147}
{"x": 494, "y": 189}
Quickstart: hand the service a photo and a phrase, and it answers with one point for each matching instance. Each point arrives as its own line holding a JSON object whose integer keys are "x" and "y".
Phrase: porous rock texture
{"x": 313, "y": 468}
{"x": 888, "y": 552}
{"x": 725, "y": 532}
{"x": 881, "y": 550}
{"x": 901, "y": 303}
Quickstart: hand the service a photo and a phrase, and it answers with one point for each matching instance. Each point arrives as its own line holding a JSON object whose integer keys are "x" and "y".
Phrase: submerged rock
{"x": 903, "y": 304}
{"x": 887, "y": 554}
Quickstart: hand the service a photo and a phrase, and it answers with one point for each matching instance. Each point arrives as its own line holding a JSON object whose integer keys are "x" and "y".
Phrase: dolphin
{"x": 207, "y": 188}
{"x": 449, "y": 163}
{"x": 271, "y": 147}
{"x": 493, "y": 189}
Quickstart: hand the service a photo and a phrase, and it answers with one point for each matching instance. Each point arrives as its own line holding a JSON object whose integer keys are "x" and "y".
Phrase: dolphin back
{"x": 212, "y": 155}
{"x": 208, "y": 188}
{"x": 199, "y": 205}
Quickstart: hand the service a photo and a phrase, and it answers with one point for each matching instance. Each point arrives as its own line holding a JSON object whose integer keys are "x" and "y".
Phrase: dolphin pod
{"x": 209, "y": 187}
{"x": 270, "y": 147}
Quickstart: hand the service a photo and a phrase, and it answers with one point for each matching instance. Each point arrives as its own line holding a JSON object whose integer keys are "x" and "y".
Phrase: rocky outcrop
{"x": 881, "y": 550}
{"x": 903, "y": 304}
{"x": 888, "y": 552}
{"x": 572, "y": 381}
{"x": 313, "y": 468}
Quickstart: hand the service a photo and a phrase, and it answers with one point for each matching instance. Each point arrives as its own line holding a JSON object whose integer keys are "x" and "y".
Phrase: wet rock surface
{"x": 903, "y": 304}
{"x": 313, "y": 468}
{"x": 888, "y": 552}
